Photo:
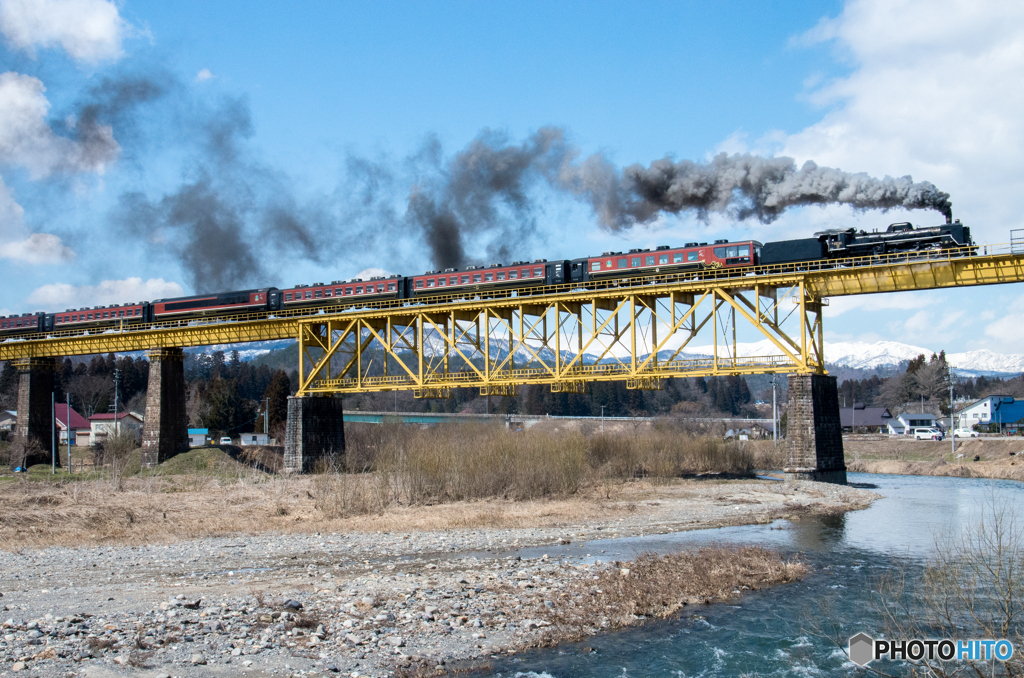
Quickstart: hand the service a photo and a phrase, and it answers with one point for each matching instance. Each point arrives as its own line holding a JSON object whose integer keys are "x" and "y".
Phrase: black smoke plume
{"x": 234, "y": 221}
{"x": 485, "y": 192}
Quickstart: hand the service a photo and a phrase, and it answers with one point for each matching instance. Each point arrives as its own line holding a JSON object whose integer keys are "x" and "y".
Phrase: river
{"x": 768, "y": 633}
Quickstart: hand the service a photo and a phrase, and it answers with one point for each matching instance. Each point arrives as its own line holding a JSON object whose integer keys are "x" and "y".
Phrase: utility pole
{"x": 775, "y": 417}
{"x": 69, "y": 432}
{"x": 952, "y": 415}
{"x": 602, "y": 419}
{"x": 53, "y": 434}
{"x": 117, "y": 377}
{"x": 266, "y": 417}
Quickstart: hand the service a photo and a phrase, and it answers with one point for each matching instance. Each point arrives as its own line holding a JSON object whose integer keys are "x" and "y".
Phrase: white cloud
{"x": 204, "y": 75}
{"x": 38, "y": 248}
{"x": 931, "y": 94}
{"x": 58, "y": 296}
{"x": 88, "y": 30}
{"x": 27, "y": 140}
{"x": 368, "y": 273}
{"x": 888, "y": 302}
{"x": 18, "y": 244}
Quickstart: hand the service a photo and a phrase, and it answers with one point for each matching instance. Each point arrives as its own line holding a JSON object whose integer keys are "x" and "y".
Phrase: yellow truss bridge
{"x": 642, "y": 330}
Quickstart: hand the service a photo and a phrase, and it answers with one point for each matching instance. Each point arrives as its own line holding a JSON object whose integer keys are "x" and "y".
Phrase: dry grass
{"x": 166, "y": 509}
{"x": 654, "y": 586}
{"x": 392, "y": 478}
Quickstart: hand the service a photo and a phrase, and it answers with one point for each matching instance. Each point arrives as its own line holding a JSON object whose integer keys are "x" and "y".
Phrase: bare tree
{"x": 89, "y": 390}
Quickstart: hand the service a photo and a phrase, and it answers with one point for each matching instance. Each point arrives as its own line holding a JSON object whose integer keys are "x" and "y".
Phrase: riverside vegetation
{"x": 398, "y": 557}
{"x": 437, "y": 478}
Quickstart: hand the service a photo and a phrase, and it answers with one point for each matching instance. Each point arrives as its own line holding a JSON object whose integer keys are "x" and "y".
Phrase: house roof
{"x": 864, "y": 416}
{"x": 77, "y": 420}
{"x": 109, "y": 416}
{"x": 907, "y": 416}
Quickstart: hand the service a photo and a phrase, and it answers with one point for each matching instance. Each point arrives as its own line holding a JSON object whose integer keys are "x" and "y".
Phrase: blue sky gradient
{"x": 863, "y": 86}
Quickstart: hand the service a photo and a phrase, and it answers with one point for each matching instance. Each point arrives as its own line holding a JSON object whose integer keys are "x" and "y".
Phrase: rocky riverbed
{"x": 356, "y": 603}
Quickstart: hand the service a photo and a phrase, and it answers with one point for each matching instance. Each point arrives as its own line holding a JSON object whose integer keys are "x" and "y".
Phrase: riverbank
{"x": 410, "y": 589}
{"x": 1000, "y": 458}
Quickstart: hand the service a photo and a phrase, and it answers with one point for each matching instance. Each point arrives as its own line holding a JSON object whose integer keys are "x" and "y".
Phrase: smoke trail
{"x": 232, "y": 219}
{"x": 485, "y": 190}
{"x": 747, "y": 186}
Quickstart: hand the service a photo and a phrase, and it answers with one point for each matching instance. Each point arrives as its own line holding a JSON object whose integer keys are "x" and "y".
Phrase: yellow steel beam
{"x": 820, "y": 280}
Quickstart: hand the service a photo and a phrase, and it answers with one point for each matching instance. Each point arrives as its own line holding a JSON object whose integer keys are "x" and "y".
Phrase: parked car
{"x": 928, "y": 433}
{"x": 965, "y": 433}
{"x": 226, "y": 440}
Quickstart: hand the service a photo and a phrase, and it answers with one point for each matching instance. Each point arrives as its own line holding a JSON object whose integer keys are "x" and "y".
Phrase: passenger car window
{"x": 538, "y": 272}
{"x": 488, "y": 277}
{"x": 596, "y": 266}
{"x": 663, "y": 259}
{"x": 744, "y": 251}
{"x": 691, "y": 256}
{"x": 512, "y": 275}
{"x": 650, "y": 261}
{"x": 623, "y": 263}
{"x": 677, "y": 257}
{"x": 476, "y": 277}
{"x": 635, "y": 261}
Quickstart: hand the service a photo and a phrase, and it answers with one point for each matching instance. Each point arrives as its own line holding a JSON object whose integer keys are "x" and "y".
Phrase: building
{"x": 8, "y": 420}
{"x": 862, "y": 418}
{"x": 254, "y": 439}
{"x": 198, "y": 437}
{"x": 908, "y": 421}
{"x": 103, "y": 425}
{"x": 78, "y": 428}
{"x": 1004, "y": 412}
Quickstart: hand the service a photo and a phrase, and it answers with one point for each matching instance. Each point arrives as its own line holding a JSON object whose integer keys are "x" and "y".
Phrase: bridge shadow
{"x": 265, "y": 458}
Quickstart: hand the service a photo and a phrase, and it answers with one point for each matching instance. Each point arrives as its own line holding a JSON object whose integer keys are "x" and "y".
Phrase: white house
{"x": 104, "y": 425}
{"x": 254, "y": 439}
{"x": 993, "y": 409}
{"x": 908, "y": 421}
{"x": 8, "y": 420}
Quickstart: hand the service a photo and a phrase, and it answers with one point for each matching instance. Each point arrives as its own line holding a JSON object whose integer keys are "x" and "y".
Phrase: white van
{"x": 226, "y": 440}
{"x": 928, "y": 433}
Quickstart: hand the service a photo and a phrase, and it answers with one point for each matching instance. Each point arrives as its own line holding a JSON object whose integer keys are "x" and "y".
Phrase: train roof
{"x": 195, "y": 297}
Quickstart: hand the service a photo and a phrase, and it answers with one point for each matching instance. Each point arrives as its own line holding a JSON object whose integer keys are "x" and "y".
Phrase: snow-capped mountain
{"x": 983, "y": 361}
{"x": 856, "y": 355}
{"x": 861, "y": 355}
{"x": 245, "y": 351}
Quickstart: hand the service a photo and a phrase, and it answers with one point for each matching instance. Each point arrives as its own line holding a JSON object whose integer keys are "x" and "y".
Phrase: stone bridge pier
{"x": 814, "y": 434}
{"x": 165, "y": 430}
{"x": 315, "y": 433}
{"x": 34, "y": 431}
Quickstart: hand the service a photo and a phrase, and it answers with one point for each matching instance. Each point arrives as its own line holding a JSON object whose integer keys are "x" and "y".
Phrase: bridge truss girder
{"x": 633, "y": 334}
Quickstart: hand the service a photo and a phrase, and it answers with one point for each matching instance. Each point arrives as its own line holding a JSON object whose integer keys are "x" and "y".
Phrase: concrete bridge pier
{"x": 165, "y": 430}
{"x": 315, "y": 433}
{"x": 34, "y": 431}
{"x": 814, "y": 434}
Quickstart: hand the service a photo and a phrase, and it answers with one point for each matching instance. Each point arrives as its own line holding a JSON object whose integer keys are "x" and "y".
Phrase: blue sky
{"x": 308, "y": 92}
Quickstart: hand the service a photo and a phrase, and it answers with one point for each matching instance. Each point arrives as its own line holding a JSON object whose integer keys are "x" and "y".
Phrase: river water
{"x": 770, "y": 633}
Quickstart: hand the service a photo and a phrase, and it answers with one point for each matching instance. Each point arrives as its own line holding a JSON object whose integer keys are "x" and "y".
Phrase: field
{"x": 997, "y": 457}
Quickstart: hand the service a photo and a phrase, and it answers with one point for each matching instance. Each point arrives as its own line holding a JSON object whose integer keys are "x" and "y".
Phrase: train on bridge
{"x": 693, "y": 256}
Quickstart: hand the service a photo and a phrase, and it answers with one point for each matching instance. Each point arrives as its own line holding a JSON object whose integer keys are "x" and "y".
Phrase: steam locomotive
{"x": 693, "y": 256}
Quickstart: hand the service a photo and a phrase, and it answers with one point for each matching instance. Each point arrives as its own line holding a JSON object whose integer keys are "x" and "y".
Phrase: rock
{"x": 293, "y": 604}
{"x": 394, "y": 641}
{"x": 332, "y": 668}
{"x": 354, "y": 639}
{"x": 198, "y": 659}
{"x": 237, "y": 652}
{"x": 18, "y": 666}
{"x": 367, "y": 600}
